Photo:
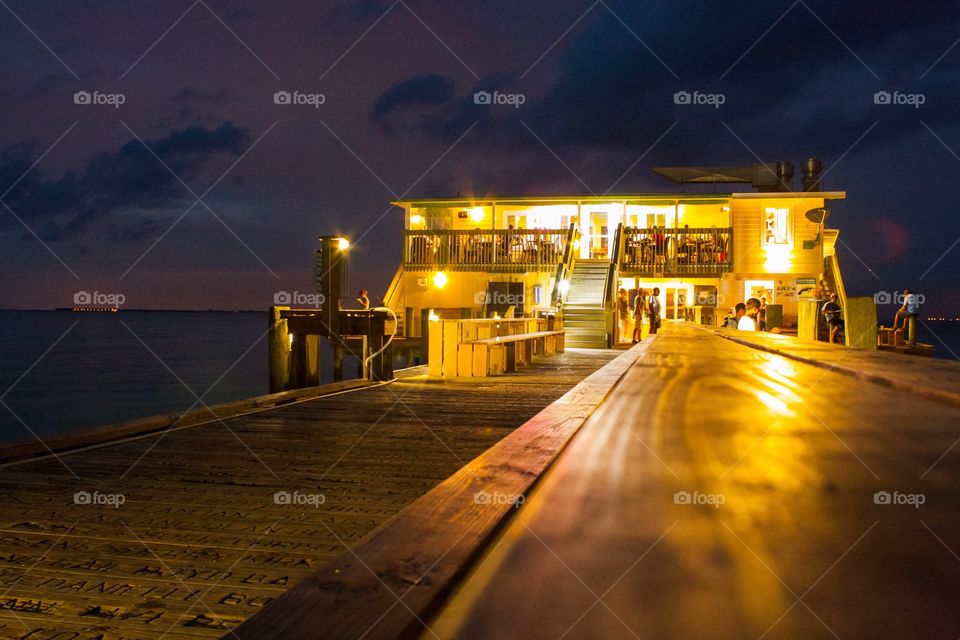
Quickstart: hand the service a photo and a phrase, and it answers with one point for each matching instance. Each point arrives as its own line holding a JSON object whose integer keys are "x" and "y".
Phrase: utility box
{"x": 774, "y": 316}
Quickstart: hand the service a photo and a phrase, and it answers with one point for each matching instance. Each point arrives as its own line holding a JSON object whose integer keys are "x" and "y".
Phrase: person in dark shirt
{"x": 832, "y": 312}
{"x": 363, "y": 299}
{"x": 738, "y": 312}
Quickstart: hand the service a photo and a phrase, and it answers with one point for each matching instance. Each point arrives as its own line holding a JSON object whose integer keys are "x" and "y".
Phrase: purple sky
{"x": 99, "y": 211}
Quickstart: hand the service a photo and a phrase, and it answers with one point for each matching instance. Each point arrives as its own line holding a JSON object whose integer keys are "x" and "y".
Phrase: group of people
{"x": 749, "y": 315}
{"x": 645, "y": 304}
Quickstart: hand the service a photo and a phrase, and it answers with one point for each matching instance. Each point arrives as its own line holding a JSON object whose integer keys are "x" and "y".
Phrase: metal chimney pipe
{"x": 812, "y": 168}
{"x": 784, "y": 176}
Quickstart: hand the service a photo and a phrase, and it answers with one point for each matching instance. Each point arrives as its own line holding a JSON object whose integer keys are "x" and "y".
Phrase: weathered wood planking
{"x": 199, "y": 543}
{"x": 385, "y": 585}
{"x": 606, "y": 547}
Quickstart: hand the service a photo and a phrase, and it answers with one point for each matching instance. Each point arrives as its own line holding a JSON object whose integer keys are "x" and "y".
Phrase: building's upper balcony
{"x": 672, "y": 251}
{"x": 502, "y": 250}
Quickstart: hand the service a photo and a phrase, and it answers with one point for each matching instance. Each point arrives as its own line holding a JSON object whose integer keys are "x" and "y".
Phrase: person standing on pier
{"x": 363, "y": 299}
{"x": 623, "y": 315}
{"x": 653, "y": 310}
{"x": 639, "y": 305}
{"x": 738, "y": 312}
{"x": 749, "y": 321}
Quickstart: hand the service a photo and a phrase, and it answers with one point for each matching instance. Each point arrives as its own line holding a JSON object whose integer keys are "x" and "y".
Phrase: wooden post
{"x": 338, "y": 354}
{"x": 278, "y": 345}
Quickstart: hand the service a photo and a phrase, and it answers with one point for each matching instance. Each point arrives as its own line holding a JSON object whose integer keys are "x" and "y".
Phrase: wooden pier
{"x": 704, "y": 483}
{"x": 730, "y": 486}
{"x": 184, "y": 534}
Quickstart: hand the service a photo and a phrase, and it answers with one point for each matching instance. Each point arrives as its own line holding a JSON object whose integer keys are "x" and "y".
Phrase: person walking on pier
{"x": 639, "y": 305}
{"x": 653, "y": 310}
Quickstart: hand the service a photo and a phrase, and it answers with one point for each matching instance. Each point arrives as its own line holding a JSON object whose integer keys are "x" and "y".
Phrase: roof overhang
{"x": 663, "y": 199}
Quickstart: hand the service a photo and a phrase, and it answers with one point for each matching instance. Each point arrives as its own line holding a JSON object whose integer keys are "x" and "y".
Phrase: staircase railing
{"x": 569, "y": 254}
{"x": 610, "y": 286}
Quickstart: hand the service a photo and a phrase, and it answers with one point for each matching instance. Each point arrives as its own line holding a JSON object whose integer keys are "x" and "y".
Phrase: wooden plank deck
{"x": 200, "y": 542}
{"x": 722, "y": 492}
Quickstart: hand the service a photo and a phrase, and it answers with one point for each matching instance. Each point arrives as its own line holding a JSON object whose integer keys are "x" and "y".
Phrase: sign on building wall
{"x": 786, "y": 291}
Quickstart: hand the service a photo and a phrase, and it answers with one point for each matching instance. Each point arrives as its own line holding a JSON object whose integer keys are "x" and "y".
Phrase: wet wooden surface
{"x": 727, "y": 492}
{"x": 218, "y": 520}
{"x": 937, "y": 378}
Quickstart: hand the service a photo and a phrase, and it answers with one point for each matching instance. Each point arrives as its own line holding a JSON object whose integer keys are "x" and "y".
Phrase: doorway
{"x": 597, "y": 235}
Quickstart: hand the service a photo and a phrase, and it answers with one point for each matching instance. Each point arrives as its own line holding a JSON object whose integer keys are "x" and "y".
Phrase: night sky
{"x": 105, "y": 196}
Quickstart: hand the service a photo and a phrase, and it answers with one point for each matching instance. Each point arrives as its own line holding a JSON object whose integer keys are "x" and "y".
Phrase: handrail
{"x": 487, "y": 250}
{"x": 610, "y": 288}
{"x": 677, "y": 251}
{"x": 556, "y": 298}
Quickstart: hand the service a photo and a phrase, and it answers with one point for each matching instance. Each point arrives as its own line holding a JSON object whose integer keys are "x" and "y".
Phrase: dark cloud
{"x": 342, "y": 14}
{"x": 424, "y": 90}
{"x": 111, "y": 182}
{"x": 798, "y": 85}
{"x": 193, "y": 95}
{"x": 50, "y": 82}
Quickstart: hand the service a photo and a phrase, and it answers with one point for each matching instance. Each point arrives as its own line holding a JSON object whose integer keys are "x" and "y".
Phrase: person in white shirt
{"x": 749, "y": 321}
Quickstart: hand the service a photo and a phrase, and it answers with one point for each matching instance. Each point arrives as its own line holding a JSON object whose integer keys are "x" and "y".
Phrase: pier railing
{"x": 659, "y": 250}
{"x": 502, "y": 250}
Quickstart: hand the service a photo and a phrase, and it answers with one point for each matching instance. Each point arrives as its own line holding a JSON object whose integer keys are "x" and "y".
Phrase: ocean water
{"x": 62, "y": 371}
{"x": 943, "y": 335}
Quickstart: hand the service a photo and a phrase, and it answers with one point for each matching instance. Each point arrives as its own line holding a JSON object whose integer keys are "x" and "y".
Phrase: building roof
{"x": 634, "y": 198}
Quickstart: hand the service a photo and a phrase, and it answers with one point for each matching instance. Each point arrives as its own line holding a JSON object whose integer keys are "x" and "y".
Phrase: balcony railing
{"x": 677, "y": 251}
{"x": 478, "y": 250}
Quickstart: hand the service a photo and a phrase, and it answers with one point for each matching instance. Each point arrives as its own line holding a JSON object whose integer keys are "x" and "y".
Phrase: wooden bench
{"x": 493, "y": 356}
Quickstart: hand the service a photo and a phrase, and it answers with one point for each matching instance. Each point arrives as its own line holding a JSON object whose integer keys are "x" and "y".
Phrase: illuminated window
{"x": 776, "y": 226}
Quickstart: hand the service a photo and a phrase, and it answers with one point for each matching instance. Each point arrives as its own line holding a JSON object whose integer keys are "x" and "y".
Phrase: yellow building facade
{"x": 480, "y": 257}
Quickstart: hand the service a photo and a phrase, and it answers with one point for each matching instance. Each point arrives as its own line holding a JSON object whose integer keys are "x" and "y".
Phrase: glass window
{"x": 776, "y": 228}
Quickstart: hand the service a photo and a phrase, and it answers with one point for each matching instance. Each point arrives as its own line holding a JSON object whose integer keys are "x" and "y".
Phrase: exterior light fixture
{"x": 343, "y": 244}
{"x": 440, "y": 279}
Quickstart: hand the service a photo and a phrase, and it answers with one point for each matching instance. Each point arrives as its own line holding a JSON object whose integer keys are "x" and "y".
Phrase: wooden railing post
{"x": 278, "y": 347}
